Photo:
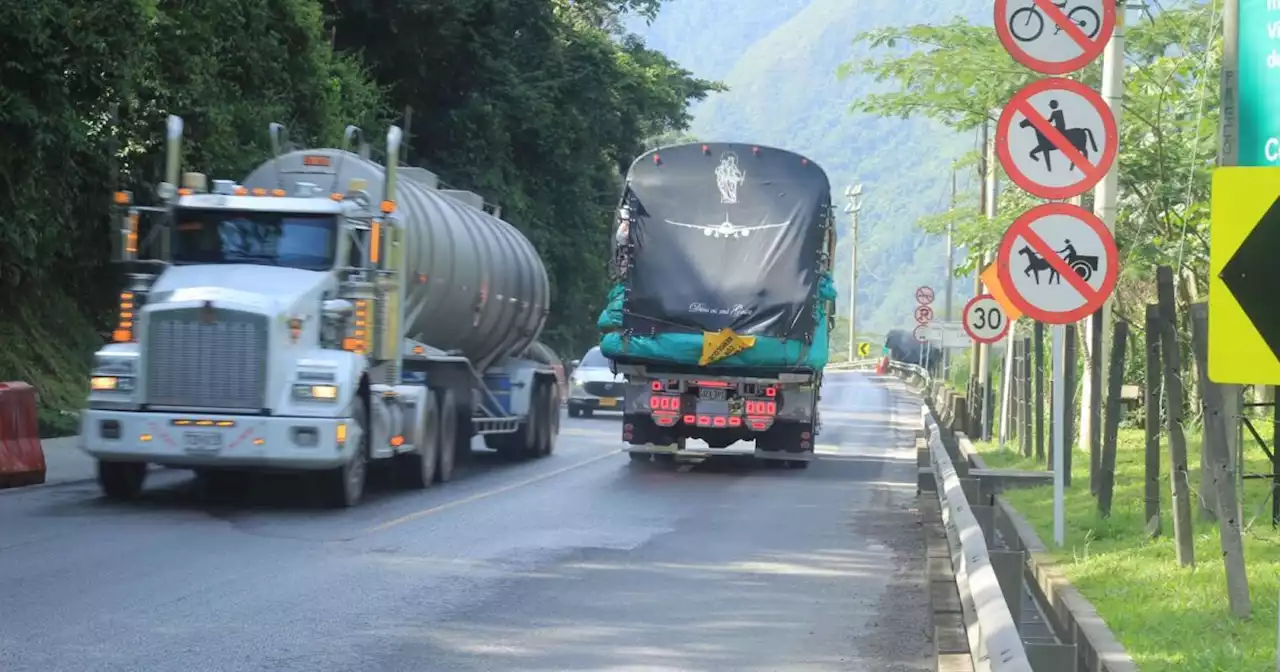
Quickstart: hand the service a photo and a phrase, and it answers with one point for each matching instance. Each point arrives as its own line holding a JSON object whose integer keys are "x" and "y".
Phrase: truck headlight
{"x": 306, "y": 392}
{"x": 111, "y": 383}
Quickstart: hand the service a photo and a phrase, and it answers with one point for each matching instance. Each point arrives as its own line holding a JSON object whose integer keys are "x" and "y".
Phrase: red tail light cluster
{"x": 762, "y": 407}
{"x": 663, "y": 402}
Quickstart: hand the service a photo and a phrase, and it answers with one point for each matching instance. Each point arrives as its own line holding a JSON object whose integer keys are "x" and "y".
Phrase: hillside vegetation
{"x": 779, "y": 60}
{"x": 535, "y": 104}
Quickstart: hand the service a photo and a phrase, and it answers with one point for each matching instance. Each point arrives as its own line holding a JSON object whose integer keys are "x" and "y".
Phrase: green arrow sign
{"x": 1259, "y": 77}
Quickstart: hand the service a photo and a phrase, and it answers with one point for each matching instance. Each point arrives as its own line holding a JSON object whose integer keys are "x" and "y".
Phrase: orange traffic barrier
{"x": 21, "y": 455}
{"x": 883, "y": 366}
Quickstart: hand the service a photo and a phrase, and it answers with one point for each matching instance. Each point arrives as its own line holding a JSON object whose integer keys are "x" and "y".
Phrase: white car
{"x": 594, "y": 385}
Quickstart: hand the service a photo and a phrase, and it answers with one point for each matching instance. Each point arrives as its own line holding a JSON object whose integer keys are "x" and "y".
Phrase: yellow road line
{"x": 484, "y": 495}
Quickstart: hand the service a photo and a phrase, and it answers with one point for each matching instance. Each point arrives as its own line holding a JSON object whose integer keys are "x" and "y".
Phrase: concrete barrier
{"x": 21, "y": 455}
{"x": 995, "y": 643}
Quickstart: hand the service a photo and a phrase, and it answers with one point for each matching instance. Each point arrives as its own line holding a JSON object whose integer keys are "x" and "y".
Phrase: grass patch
{"x": 51, "y": 348}
{"x": 1168, "y": 618}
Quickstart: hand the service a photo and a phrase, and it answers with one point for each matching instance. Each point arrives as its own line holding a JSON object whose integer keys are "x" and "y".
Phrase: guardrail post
{"x": 1009, "y": 567}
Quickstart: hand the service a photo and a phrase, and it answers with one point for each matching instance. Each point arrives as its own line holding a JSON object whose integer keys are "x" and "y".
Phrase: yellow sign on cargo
{"x": 716, "y": 345}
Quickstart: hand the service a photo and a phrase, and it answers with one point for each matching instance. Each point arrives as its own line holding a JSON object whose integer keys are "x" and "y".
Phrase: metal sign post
{"x": 1059, "y": 416}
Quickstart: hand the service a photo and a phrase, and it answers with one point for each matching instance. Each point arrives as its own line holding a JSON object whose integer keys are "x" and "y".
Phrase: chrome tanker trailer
{"x": 325, "y": 312}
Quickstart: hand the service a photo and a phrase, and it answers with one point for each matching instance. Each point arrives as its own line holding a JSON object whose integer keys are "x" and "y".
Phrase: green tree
{"x": 960, "y": 75}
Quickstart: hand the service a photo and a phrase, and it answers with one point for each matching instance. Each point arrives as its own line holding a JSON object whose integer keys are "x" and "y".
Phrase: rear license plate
{"x": 712, "y": 394}
{"x": 712, "y": 407}
{"x": 202, "y": 442}
{"x": 606, "y": 401}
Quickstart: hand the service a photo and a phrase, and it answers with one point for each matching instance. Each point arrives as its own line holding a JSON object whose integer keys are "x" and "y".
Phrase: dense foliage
{"x": 535, "y": 104}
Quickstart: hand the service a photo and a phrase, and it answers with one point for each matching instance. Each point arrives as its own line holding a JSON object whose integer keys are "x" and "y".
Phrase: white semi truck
{"x": 325, "y": 312}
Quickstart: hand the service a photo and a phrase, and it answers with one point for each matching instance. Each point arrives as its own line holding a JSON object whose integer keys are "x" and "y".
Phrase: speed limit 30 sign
{"x": 984, "y": 319}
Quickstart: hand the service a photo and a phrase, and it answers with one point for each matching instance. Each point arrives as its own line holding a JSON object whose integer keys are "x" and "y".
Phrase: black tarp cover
{"x": 725, "y": 235}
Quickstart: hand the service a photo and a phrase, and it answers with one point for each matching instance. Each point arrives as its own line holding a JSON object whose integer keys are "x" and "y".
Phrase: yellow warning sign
{"x": 716, "y": 345}
{"x": 991, "y": 279}
{"x": 864, "y": 349}
{"x": 1244, "y": 344}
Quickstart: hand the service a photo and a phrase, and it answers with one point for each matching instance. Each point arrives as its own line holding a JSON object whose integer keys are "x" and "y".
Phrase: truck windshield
{"x": 306, "y": 241}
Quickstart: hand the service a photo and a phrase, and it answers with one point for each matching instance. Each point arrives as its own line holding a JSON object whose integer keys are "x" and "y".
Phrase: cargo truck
{"x": 325, "y": 312}
{"x": 723, "y": 307}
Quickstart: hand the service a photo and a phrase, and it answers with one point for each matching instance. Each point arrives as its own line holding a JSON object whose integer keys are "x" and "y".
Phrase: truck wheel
{"x": 551, "y": 428}
{"x": 447, "y": 439}
{"x": 344, "y": 486}
{"x": 586, "y": 412}
{"x": 530, "y": 441}
{"x": 574, "y": 411}
{"x": 419, "y": 467}
{"x": 121, "y": 480}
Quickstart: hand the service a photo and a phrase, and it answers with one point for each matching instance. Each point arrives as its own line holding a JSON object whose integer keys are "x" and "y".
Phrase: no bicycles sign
{"x": 1058, "y": 263}
{"x": 1055, "y": 37}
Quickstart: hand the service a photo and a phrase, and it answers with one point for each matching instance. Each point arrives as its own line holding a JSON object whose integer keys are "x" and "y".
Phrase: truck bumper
{"x": 192, "y": 440}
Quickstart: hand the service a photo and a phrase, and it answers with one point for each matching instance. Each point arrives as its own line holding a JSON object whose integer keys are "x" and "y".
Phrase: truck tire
{"x": 344, "y": 487}
{"x": 121, "y": 481}
{"x": 418, "y": 469}
{"x": 447, "y": 438}
{"x": 550, "y": 419}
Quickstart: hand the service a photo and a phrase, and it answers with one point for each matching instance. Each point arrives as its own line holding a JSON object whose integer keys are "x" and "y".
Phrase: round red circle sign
{"x": 984, "y": 319}
{"x": 1056, "y": 138}
{"x": 1052, "y": 284}
{"x": 1051, "y": 39}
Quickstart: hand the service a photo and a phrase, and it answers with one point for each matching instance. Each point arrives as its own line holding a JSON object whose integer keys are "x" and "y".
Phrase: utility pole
{"x": 1105, "y": 196}
{"x": 854, "y": 193}
{"x": 991, "y": 192}
{"x": 984, "y": 167}
{"x": 951, "y": 264}
{"x": 1229, "y": 133}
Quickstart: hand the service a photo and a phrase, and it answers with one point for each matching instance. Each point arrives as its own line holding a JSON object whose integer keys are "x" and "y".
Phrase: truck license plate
{"x": 202, "y": 442}
{"x": 711, "y": 394}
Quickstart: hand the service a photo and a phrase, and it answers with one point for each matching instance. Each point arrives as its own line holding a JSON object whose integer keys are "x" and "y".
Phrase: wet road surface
{"x": 577, "y": 562}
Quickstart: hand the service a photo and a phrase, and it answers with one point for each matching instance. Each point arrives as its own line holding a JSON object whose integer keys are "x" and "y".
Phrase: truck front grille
{"x": 192, "y": 364}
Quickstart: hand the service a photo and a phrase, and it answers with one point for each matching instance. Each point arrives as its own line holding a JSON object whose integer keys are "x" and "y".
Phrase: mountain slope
{"x": 779, "y": 59}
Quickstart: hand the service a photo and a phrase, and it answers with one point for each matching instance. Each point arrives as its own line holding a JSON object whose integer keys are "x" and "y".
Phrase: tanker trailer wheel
{"x": 419, "y": 467}
{"x": 447, "y": 439}
{"x": 551, "y": 428}
{"x": 545, "y": 415}
{"x": 344, "y": 487}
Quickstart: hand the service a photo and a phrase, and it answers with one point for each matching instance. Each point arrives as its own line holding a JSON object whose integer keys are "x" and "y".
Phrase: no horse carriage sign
{"x": 1058, "y": 263}
{"x": 1056, "y": 138}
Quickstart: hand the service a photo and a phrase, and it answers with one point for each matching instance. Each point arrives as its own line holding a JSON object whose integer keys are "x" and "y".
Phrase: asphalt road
{"x": 577, "y": 562}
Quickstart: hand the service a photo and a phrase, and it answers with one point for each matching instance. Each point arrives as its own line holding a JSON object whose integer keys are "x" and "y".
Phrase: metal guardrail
{"x": 855, "y": 365}
{"x": 999, "y": 646}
